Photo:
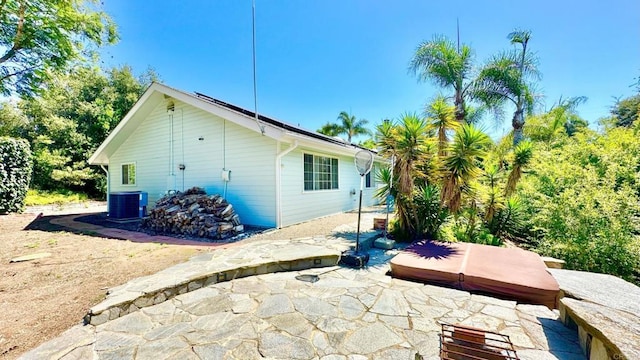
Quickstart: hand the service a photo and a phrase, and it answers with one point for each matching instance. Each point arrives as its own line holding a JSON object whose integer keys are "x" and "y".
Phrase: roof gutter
{"x": 279, "y": 157}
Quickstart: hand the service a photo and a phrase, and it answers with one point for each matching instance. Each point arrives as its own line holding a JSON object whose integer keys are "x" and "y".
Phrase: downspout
{"x": 279, "y": 181}
{"x": 108, "y": 185}
{"x": 171, "y": 145}
{"x": 171, "y": 178}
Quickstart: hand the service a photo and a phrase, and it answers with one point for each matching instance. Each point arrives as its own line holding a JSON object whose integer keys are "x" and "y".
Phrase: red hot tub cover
{"x": 509, "y": 272}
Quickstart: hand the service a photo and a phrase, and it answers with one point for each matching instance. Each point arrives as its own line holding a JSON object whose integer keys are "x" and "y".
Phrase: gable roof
{"x": 156, "y": 93}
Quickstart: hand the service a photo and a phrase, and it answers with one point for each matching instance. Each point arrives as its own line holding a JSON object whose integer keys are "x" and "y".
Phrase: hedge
{"x": 15, "y": 173}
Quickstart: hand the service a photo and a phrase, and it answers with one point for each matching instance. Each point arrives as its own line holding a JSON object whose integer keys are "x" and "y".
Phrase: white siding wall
{"x": 248, "y": 155}
{"x": 299, "y": 205}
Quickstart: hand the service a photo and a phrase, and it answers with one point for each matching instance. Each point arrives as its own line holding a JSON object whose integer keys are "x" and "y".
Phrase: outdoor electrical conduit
{"x": 279, "y": 181}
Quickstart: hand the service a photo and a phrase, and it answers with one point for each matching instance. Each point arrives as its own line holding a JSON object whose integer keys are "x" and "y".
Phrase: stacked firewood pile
{"x": 194, "y": 213}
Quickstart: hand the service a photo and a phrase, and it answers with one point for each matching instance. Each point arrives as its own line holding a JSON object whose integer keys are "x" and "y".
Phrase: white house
{"x": 273, "y": 173}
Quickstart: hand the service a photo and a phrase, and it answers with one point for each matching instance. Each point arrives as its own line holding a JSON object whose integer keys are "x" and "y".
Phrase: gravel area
{"x": 323, "y": 226}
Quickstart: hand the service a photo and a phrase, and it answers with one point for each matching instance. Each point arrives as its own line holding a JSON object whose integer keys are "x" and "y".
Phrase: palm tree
{"x": 504, "y": 79}
{"x": 352, "y": 127}
{"x": 440, "y": 61}
{"x": 330, "y": 129}
{"x": 461, "y": 164}
{"x": 348, "y": 125}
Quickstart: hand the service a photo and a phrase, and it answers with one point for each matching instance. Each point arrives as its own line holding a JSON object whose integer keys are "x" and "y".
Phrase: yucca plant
{"x": 441, "y": 118}
{"x": 522, "y": 155}
{"x": 461, "y": 164}
{"x": 383, "y": 176}
{"x": 493, "y": 199}
{"x": 407, "y": 142}
{"x": 430, "y": 213}
{"x": 509, "y": 222}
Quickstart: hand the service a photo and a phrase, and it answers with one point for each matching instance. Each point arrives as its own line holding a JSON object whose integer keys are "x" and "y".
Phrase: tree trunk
{"x": 518, "y": 124}
{"x": 459, "y": 112}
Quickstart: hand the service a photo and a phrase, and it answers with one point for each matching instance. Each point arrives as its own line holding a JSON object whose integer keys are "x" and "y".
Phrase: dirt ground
{"x": 42, "y": 298}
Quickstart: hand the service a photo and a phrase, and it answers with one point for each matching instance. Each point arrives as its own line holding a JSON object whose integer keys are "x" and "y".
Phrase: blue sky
{"x": 317, "y": 58}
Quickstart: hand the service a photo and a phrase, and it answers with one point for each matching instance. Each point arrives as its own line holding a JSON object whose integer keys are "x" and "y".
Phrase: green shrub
{"x": 469, "y": 229}
{"x": 582, "y": 201}
{"x": 398, "y": 233}
{"x": 15, "y": 173}
{"x": 509, "y": 222}
{"x": 430, "y": 214}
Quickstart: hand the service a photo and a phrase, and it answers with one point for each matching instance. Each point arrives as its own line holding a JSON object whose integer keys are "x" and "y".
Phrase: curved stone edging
{"x": 254, "y": 258}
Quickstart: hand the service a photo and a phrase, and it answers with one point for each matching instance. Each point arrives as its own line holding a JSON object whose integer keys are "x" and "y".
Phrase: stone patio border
{"x": 603, "y": 310}
{"x": 161, "y": 286}
{"x": 252, "y": 258}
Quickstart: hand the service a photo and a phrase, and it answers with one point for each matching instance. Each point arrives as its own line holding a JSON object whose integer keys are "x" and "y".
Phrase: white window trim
{"x": 323, "y": 191}
{"x": 320, "y": 190}
{"x": 135, "y": 168}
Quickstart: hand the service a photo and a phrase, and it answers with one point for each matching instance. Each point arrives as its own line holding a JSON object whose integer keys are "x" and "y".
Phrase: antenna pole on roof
{"x": 458, "y": 33}
{"x": 255, "y": 87}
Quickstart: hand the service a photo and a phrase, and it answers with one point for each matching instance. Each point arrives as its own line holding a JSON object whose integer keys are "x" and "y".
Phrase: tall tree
{"x": 351, "y": 127}
{"x": 12, "y": 122}
{"x": 626, "y": 111}
{"x": 40, "y": 36}
{"x": 440, "y": 61}
{"x": 347, "y": 125}
{"x": 506, "y": 79}
{"x": 330, "y": 129}
{"x": 72, "y": 116}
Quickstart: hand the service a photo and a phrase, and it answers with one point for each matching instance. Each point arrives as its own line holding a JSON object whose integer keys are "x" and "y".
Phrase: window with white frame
{"x": 320, "y": 173}
{"x": 129, "y": 174}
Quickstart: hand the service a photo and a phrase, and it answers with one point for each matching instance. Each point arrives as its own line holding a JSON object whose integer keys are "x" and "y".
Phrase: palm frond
{"x": 519, "y": 36}
{"x": 351, "y": 127}
{"x": 439, "y": 60}
{"x": 330, "y": 129}
{"x": 474, "y": 114}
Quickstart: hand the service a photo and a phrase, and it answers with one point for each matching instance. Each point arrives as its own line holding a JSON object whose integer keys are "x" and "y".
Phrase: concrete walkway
{"x": 229, "y": 304}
